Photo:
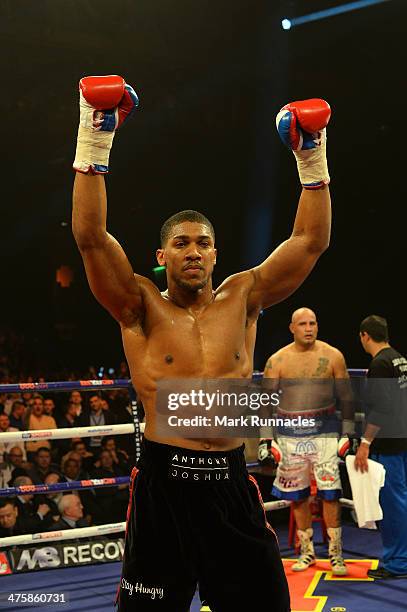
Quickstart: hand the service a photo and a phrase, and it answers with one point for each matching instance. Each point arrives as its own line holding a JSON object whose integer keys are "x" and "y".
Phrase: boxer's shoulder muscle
{"x": 239, "y": 283}
{"x": 273, "y": 365}
{"x": 336, "y": 360}
{"x": 329, "y": 351}
{"x": 138, "y": 292}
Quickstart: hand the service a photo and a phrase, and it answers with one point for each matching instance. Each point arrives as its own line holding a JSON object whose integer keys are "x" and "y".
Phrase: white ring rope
{"x": 66, "y": 534}
{"x": 284, "y": 503}
{"x": 86, "y": 532}
{"x": 68, "y": 432}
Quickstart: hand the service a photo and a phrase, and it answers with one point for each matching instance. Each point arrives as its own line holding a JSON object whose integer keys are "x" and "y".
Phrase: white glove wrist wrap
{"x": 312, "y": 164}
{"x": 92, "y": 149}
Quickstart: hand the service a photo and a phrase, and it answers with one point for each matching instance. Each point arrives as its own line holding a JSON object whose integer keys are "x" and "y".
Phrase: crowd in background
{"x": 52, "y": 461}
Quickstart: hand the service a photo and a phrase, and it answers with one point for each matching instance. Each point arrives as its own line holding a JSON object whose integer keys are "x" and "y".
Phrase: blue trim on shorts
{"x": 291, "y": 495}
{"x": 329, "y": 495}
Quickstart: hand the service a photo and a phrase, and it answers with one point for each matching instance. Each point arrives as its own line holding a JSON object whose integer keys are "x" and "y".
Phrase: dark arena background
{"x": 211, "y": 77}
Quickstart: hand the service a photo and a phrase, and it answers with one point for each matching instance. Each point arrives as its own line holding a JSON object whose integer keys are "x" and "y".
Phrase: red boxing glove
{"x": 347, "y": 445}
{"x": 102, "y": 92}
{"x": 105, "y": 103}
{"x": 269, "y": 449}
{"x": 301, "y": 126}
{"x": 312, "y": 116}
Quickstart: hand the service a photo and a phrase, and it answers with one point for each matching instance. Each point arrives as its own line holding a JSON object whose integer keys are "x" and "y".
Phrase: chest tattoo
{"x": 322, "y": 366}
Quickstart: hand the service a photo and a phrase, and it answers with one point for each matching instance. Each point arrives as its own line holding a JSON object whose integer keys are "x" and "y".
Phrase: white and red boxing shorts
{"x": 303, "y": 458}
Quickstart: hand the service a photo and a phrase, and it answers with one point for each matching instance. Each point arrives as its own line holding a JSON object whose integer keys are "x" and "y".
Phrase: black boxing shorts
{"x": 197, "y": 518}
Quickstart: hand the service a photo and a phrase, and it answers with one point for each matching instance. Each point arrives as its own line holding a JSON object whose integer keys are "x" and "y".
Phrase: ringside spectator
{"x": 111, "y": 501}
{"x": 10, "y": 523}
{"x": 31, "y": 508}
{"x": 6, "y": 446}
{"x": 37, "y": 421}
{"x": 17, "y": 415}
{"x": 71, "y": 472}
{"x": 71, "y": 513}
{"x": 42, "y": 465}
{"x": 13, "y": 461}
{"x": 119, "y": 456}
{"x": 95, "y": 417}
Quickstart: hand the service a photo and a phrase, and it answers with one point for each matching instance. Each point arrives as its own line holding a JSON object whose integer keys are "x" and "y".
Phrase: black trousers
{"x": 197, "y": 517}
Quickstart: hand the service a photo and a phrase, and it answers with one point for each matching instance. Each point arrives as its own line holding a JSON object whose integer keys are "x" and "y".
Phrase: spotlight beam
{"x": 287, "y": 23}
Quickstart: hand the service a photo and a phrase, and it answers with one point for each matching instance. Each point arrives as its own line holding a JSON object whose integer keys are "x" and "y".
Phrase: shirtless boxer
{"x": 312, "y": 376}
{"x": 183, "y": 533}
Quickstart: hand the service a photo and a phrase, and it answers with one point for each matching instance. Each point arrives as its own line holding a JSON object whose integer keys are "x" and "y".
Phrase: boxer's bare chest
{"x": 306, "y": 379}
{"x": 175, "y": 342}
{"x": 312, "y": 365}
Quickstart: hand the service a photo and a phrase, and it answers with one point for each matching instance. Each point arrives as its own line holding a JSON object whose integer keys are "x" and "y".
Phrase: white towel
{"x": 365, "y": 491}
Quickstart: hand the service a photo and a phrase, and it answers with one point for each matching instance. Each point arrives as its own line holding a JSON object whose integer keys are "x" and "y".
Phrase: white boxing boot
{"x": 335, "y": 551}
{"x": 307, "y": 553}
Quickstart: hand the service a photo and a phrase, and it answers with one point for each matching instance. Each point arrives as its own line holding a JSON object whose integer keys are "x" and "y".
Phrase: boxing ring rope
{"x": 136, "y": 427}
{"x": 67, "y": 385}
{"x": 74, "y": 485}
{"x": 86, "y": 532}
{"x": 82, "y": 385}
{"x": 68, "y": 432}
{"x": 65, "y": 534}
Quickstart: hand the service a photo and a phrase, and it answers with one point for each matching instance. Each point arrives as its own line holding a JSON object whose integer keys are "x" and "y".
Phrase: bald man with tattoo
{"x": 312, "y": 378}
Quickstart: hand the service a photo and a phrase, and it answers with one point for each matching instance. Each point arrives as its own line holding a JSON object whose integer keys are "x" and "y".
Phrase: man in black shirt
{"x": 10, "y": 523}
{"x": 385, "y": 437}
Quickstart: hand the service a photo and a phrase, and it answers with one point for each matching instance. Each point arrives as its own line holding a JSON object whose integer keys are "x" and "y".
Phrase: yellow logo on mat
{"x": 302, "y": 585}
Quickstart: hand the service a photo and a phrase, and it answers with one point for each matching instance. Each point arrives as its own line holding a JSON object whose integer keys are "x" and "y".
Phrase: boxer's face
{"x": 189, "y": 255}
{"x": 304, "y": 328}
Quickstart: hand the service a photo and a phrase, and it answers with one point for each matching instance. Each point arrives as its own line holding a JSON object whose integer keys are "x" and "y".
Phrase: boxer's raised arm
{"x": 301, "y": 125}
{"x": 109, "y": 272}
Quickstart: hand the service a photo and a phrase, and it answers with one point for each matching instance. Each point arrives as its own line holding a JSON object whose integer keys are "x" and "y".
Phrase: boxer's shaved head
{"x": 180, "y": 217}
{"x": 301, "y": 312}
{"x": 304, "y": 327}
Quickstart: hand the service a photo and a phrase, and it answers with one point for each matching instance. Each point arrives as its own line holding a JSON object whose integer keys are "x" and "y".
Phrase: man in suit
{"x": 71, "y": 511}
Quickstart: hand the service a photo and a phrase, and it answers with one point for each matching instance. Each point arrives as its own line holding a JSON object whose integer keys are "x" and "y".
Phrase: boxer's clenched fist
{"x": 301, "y": 126}
{"x": 105, "y": 102}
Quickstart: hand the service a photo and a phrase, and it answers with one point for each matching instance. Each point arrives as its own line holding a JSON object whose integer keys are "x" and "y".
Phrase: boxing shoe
{"x": 335, "y": 551}
{"x": 307, "y": 552}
